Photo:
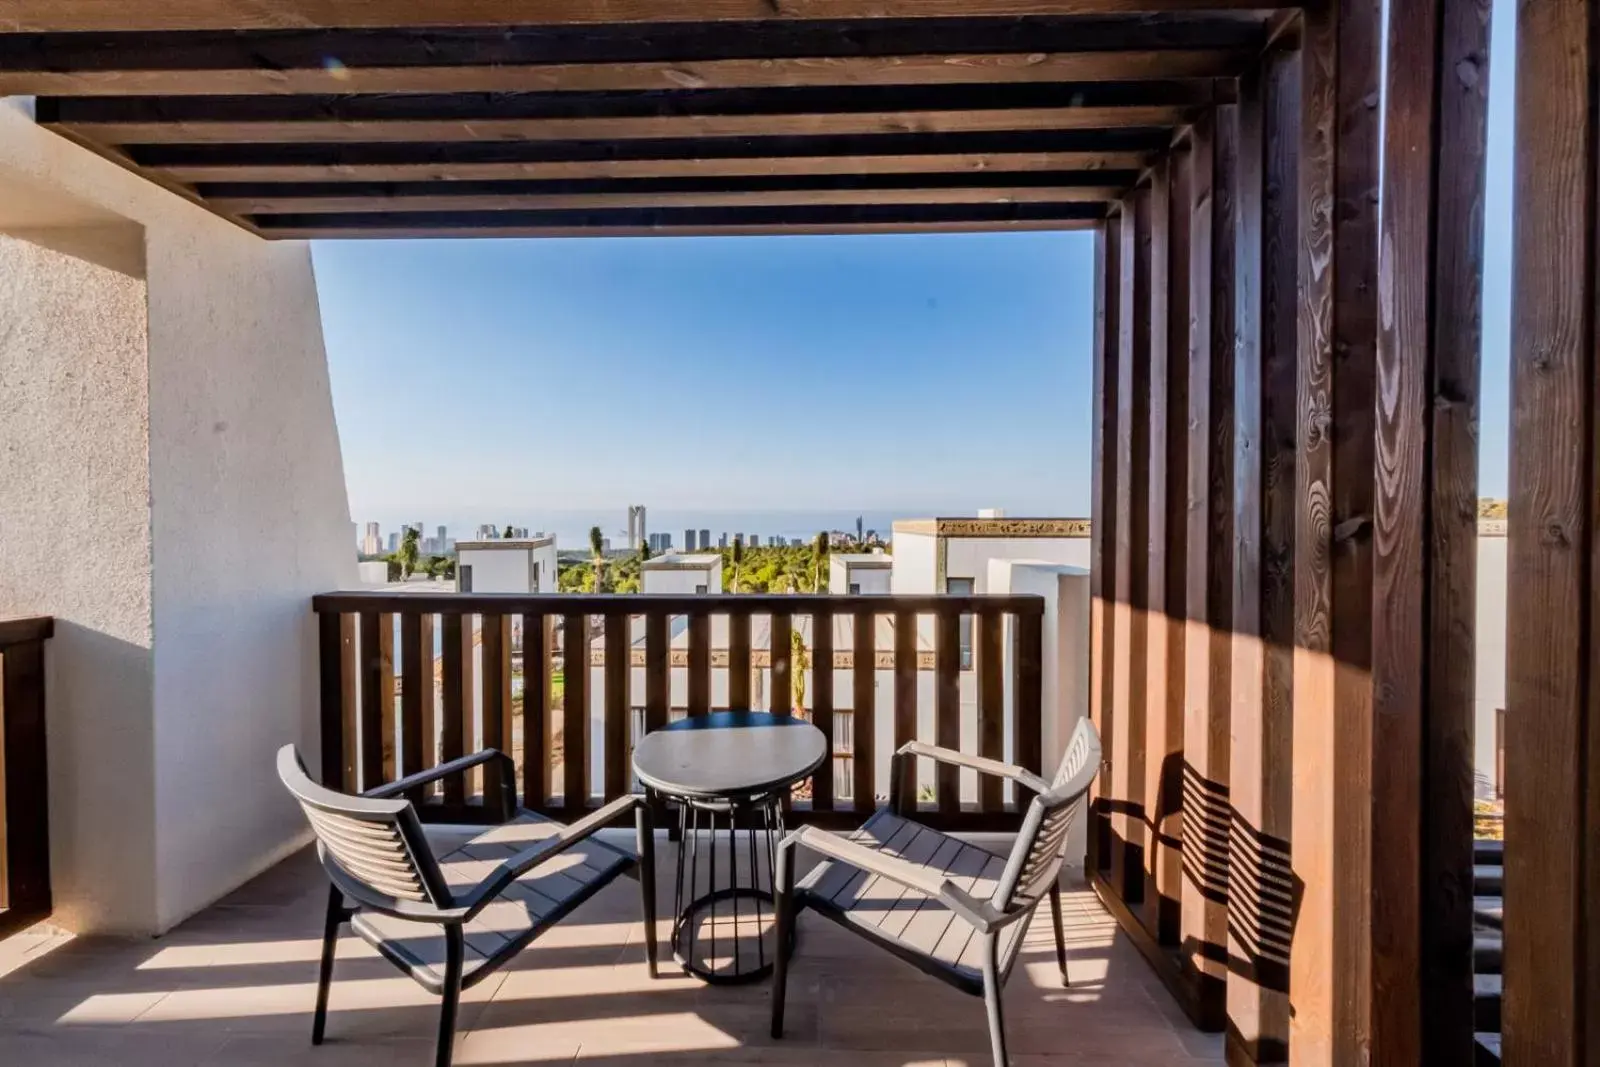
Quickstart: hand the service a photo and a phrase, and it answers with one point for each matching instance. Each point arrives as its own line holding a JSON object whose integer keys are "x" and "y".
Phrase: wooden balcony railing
{"x": 24, "y": 810}
{"x": 412, "y": 679}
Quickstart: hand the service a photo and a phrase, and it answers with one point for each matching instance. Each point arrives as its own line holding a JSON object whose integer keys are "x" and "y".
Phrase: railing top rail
{"x": 20, "y": 629}
{"x": 671, "y": 603}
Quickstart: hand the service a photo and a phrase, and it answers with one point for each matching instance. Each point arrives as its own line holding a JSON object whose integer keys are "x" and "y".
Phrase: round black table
{"x": 731, "y": 768}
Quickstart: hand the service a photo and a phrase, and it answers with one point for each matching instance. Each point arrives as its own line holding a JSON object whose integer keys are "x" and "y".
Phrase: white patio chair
{"x": 949, "y": 908}
{"x": 449, "y": 921}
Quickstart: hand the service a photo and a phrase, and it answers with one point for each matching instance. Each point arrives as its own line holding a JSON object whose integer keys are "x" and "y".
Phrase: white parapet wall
{"x": 172, "y": 491}
{"x": 1065, "y": 678}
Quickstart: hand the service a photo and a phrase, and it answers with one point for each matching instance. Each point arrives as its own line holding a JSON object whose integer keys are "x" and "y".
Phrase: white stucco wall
{"x": 874, "y": 577}
{"x": 969, "y": 557}
{"x": 916, "y": 563}
{"x": 226, "y": 418}
{"x": 681, "y": 574}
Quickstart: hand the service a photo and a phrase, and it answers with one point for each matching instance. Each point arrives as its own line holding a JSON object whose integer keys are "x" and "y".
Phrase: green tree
{"x": 819, "y": 560}
{"x": 408, "y": 552}
{"x": 597, "y": 551}
{"x": 644, "y": 550}
{"x": 738, "y": 560}
{"x": 508, "y": 532}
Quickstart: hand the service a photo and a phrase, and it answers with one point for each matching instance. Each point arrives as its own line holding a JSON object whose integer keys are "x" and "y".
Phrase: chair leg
{"x": 644, "y": 826}
{"x": 783, "y": 891}
{"x": 330, "y": 943}
{"x": 1061, "y": 937}
{"x": 991, "y": 999}
{"x": 455, "y": 950}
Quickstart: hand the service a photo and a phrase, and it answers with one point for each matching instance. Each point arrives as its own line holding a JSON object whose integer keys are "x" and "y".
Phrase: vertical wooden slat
{"x": 1551, "y": 1009}
{"x": 699, "y": 663}
{"x": 1164, "y": 754}
{"x": 496, "y": 698}
{"x": 947, "y": 706}
{"x": 617, "y": 710}
{"x": 739, "y": 659}
{"x": 864, "y": 728}
{"x": 1425, "y": 548}
{"x": 455, "y": 695}
{"x": 990, "y": 656}
{"x": 657, "y": 671}
{"x": 905, "y": 697}
{"x": 822, "y": 787}
{"x": 330, "y": 668}
{"x": 1132, "y": 570}
{"x": 411, "y": 695}
{"x": 536, "y": 704}
{"x": 1103, "y": 527}
{"x": 1027, "y": 690}
{"x": 350, "y": 700}
{"x": 1164, "y": 471}
{"x": 781, "y": 650}
{"x": 1209, "y": 576}
{"x": 377, "y": 699}
{"x": 24, "y": 814}
{"x": 575, "y": 713}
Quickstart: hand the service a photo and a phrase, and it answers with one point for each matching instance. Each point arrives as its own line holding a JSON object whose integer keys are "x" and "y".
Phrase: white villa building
{"x": 859, "y": 572}
{"x": 683, "y": 573}
{"x": 506, "y": 565}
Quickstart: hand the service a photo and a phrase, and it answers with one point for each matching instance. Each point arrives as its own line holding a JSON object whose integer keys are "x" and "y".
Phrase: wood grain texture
{"x": 699, "y": 663}
{"x": 989, "y": 655}
{"x": 657, "y": 671}
{"x": 1552, "y": 766}
{"x": 495, "y": 726}
{"x": 651, "y": 127}
{"x": 331, "y": 653}
{"x": 947, "y": 707}
{"x": 1103, "y": 531}
{"x": 617, "y": 752}
{"x": 416, "y": 694}
{"x": 821, "y": 689}
{"x": 456, "y": 699}
{"x": 906, "y": 624}
{"x": 780, "y": 656}
{"x": 143, "y": 75}
{"x": 1027, "y": 689}
{"x": 863, "y": 701}
{"x": 53, "y": 16}
{"x": 575, "y": 711}
{"x": 377, "y": 699}
{"x": 538, "y": 677}
{"x": 739, "y": 659}
{"x": 1424, "y": 552}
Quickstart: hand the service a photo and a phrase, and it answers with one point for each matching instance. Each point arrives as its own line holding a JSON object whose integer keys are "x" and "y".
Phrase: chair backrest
{"x": 1036, "y": 858}
{"x": 374, "y": 850}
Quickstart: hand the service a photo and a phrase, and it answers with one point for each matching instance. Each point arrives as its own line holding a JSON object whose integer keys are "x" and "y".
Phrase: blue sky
{"x": 901, "y": 373}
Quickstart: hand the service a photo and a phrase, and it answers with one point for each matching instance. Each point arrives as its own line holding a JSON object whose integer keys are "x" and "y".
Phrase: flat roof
{"x": 674, "y": 561}
{"x": 864, "y": 559}
{"x": 505, "y": 543}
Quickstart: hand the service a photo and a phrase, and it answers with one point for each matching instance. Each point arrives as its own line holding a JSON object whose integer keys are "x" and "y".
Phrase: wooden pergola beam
{"x": 657, "y": 127}
{"x": 812, "y": 71}
{"x": 54, "y": 16}
{"x": 970, "y": 163}
{"x": 399, "y": 228}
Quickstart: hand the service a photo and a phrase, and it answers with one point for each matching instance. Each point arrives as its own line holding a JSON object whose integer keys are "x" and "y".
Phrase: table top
{"x": 729, "y": 753}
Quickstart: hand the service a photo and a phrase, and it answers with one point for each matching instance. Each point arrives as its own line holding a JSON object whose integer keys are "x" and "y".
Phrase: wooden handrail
{"x": 25, "y": 894}
{"x": 384, "y": 714}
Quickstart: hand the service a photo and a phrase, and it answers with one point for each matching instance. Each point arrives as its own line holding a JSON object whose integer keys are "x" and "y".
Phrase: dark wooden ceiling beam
{"x": 930, "y": 164}
{"x": 401, "y": 230}
{"x": 960, "y": 68}
{"x": 446, "y": 201}
{"x": 50, "y": 16}
{"x": 624, "y": 128}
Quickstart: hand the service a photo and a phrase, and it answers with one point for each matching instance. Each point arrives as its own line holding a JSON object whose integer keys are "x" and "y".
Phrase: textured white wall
{"x": 968, "y": 557}
{"x": 496, "y": 570}
{"x": 916, "y": 563}
{"x": 182, "y": 387}
{"x": 75, "y": 543}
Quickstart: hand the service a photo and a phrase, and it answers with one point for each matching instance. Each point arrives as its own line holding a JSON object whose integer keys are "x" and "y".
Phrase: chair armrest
{"x": 519, "y": 863}
{"x": 978, "y": 913}
{"x": 444, "y": 770}
{"x": 994, "y": 768}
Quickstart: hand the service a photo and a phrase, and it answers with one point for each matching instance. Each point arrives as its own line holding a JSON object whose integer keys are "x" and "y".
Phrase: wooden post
{"x": 1103, "y": 529}
{"x": 1551, "y": 1011}
{"x": 1131, "y": 568}
{"x": 1261, "y": 892}
{"x": 1424, "y": 550}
